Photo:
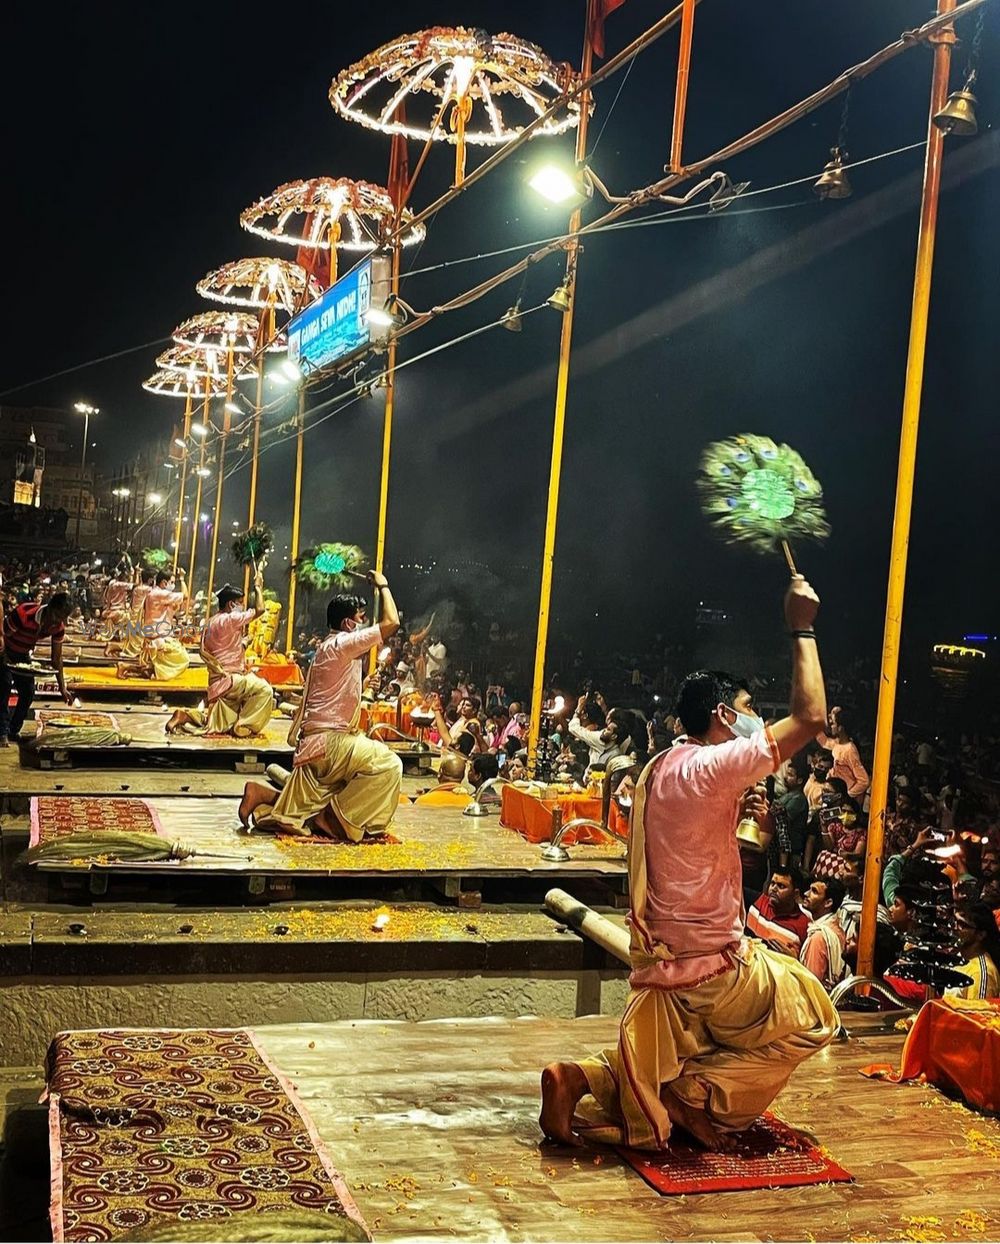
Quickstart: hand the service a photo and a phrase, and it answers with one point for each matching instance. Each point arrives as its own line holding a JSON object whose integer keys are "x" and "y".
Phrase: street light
{"x": 85, "y": 409}
{"x": 199, "y": 429}
{"x": 559, "y": 186}
{"x": 154, "y": 498}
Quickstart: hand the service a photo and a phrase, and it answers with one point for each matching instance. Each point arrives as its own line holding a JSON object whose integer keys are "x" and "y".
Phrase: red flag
{"x": 599, "y": 10}
{"x": 316, "y": 261}
{"x": 399, "y": 161}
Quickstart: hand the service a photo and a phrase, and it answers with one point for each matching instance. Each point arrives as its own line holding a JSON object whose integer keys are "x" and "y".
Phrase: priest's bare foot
{"x": 179, "y": 718}
{"x": 697, "y": 1124}
{"x": 327, "y": 824}
{"x": 563, "y": 1084}
{"x": 255, "y": 794}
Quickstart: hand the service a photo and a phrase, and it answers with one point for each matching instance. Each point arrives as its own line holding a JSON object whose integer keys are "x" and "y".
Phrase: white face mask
{"x": 350, "y": 624}
{"x": 745, "y": 726}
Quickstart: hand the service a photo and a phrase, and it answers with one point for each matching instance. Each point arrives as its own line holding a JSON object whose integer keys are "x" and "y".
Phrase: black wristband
{"x": 809, "y": 634}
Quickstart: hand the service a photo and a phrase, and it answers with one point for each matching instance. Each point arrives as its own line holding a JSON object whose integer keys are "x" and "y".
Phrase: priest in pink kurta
{"x": 343, "y": 784}
{"x": 239, "y": 702}
{"x": 715, "y": 1022}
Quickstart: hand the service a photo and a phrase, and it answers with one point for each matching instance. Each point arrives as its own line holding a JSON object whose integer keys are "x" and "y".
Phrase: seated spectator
{"x": 482, "y": 767}
{"x": 847, "y": 764}
{"x": 777, "y": 917}
{"x": 820, "y": 763}
{"x": 793, "y": 803}
{"x": 843, "y": 836}
{"x": 903, "y": 917}
{"x": 451, "y": 790}
{"x": 587, "y": 725}
{"x": 980, "y": 944}
{"x": 901, "y": 824}
{"x": 850, "y": 908}
{"x": 823, "y": 949}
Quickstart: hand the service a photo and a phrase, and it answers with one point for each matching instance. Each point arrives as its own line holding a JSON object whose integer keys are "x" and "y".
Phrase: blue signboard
{"x": 335, "y": 325}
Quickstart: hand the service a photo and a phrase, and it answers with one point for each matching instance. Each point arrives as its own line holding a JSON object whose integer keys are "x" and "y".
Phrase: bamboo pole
{"x": 590, "y": 923}
{"x": 558, "y": 425}
{"x": 183, "y": 482}
{"x": 296, "y": 521}
{"x": 888, "y": 677}
{"x": 681, "y": 90}
{"x": 220, "y": 478}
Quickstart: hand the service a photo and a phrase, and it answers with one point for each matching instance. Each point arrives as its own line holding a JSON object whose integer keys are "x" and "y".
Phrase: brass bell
{"x": 958, "y": 116}
{"x": 748, "y": 835}
{"x": 833, "y": 182}
{"x": 560, "y": 299}
{"x": 511, "y": 319}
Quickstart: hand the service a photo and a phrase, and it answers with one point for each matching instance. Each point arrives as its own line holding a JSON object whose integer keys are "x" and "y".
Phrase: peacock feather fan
{"x": 253, "y": 546}
{"x": 760, "y": 493}
{"x": 329, "y": 565}
{"x": 156, "y": 559}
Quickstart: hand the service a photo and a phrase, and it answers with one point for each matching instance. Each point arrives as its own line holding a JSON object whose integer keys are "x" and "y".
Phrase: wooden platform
{"x": 434, "y": 842}
{"x": 434, "y": 1126}
{"x": 82, "y": 651}
{"x": 150, "y": 745}
{"x": 89, "y": 681}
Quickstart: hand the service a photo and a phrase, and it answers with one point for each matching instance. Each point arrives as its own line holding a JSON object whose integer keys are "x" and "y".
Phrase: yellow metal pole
{"x": 252, "y": 512}
{"x": 390, "y": 395}
{"x": 183, "y": 482}
{"x": 220, "y": 479}
{"x": 296, "y": 521}
{"x": 943, "y": 42}
{"x": 558, "y": 427}
{"x": 206, "y": 413}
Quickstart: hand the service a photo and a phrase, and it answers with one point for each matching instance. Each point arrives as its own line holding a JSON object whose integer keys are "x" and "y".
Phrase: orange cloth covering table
{"x": 954, "y": 1044}
{"x": 531, "y": 815}
{"x": 380, "y": 713}
{"x": 279, "y": 673}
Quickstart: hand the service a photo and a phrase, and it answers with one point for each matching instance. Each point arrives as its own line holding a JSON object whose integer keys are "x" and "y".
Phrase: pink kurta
{"x": 684, "y": 867}
{"x": 222, "y": 640}
{"x": 139, "y": 594}
{"x": 115, "y": 595}
{"x": 333, "y": 693}
{"x": 159, "y": 606}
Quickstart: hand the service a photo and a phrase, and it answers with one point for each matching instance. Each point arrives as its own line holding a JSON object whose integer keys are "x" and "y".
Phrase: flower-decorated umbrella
{"x": 260, "y": 283}
{"x": 494, "y": 85}
{"x": 328, "y": 214}
{"x": 761, "y": 494}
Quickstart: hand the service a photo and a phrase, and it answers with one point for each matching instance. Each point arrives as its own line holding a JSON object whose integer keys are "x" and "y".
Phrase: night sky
{"x": 136, "y": 137}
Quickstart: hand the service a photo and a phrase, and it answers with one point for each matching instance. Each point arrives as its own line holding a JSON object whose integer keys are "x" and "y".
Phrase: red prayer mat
{"x": 770, "y": 1154}
{"x": 55, "y": 816}
{"x": 54, "y": 718}
{"x": 153, "y": 1126}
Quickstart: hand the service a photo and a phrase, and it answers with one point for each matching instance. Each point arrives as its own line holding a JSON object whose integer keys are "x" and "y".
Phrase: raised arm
{"x": 807, "y": 707}
{"x": 388, "y": 622}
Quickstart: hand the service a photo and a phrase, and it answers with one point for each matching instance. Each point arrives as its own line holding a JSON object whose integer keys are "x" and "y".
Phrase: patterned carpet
{"x": 55, "y": 816}
{"x": 149, "y": 1126}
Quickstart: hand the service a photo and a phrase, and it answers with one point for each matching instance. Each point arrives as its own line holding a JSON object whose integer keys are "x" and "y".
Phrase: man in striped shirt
{"x": 24, "y": 627}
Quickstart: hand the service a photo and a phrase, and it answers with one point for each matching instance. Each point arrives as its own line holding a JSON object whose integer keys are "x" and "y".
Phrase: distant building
{"x": 40, "y": 452}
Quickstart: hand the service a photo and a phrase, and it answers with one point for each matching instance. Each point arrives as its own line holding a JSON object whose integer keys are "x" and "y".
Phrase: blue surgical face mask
{"x": 745, "y": 726}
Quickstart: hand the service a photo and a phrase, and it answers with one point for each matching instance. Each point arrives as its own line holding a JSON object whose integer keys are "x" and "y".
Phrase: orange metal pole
{"x": 220, "y": 480}
{"x": 293, "y": 552}
{"x": 681, "y": 91}
{"x": 888, "y": 678}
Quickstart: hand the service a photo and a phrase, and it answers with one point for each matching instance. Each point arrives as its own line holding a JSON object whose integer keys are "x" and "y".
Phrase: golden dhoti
{"x": 726, "y": 1046}
{"x": 243, "y": 710}
{"x": 357, "y": 777}
{"x": 167, "y": 657}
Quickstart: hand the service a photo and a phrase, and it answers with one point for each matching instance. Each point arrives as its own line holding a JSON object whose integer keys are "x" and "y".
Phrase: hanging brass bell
{"x": 560, "y": 299}
{"x": 511, "y": 319}
{"x": 958, "y": 116}
{"x": 833, "y": 182}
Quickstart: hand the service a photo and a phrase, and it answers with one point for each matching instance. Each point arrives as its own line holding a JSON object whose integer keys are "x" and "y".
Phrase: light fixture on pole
{"x": 557, "y": 185}
{"x": 85, "y": 409}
